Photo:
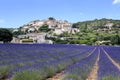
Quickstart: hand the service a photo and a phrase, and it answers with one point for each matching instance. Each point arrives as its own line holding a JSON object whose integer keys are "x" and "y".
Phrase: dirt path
{"x": 93, "y": 74}
{"x": 115, "y": 63}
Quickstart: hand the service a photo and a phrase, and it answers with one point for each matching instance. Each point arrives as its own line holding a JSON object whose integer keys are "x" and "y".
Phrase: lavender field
{"x": 59, "y": 62}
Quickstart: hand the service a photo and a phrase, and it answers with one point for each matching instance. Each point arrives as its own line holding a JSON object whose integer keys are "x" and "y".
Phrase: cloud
{"x": 116, "y": 1}
{"x": 2, "y": 21}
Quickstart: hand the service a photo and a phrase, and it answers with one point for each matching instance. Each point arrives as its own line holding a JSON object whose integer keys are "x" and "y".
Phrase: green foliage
{"x": 50, "y": 71}
{"x": 110, "y": 78}
{"x": 94, "y": 31}
{"x": 27, "y": 40}
{"x": 58, "y": 41}
{"x": 75, "y": 25}
{"x": 40, "y": 74}
{"x": 4, "y": 70}
{"x": 51, "y": 18}
{"x": 63, "y": 65}
{"x": 64, "y": 34}
{"x": 91, "y": 32}
{"x": 115, "y": 39}
{"x": 61, "y": 41}
{"x": 27, "y": 75}
{"x": 5, "y": 35}
{"x": 44, "y": 28}
{"x": 98, "y": 23}
{"x": 19, "y": 32}
{"x": 89, "y": 38}
{"x": 71, "y": 77}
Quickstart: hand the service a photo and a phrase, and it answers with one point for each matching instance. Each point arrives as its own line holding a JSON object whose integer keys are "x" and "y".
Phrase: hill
{"x": 99, "y": 31}
{"x": 98, "y": 24}
{"x": 92, "y": 32}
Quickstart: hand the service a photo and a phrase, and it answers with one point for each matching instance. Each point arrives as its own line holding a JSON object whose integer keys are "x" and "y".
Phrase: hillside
{"x": 92, "y": 32}
{"x": 46, "y": 25}
{"x": 98, "y": 31}
{"x": 38, "y": 30}
{"x": 98, "y": 24}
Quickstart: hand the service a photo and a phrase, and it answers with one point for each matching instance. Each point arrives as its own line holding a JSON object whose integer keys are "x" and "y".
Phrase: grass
{"x": 50, "y": 71}
{"x": 110, "y": 78}
{"x": 27, "y": 40}
{"x": 39, "y": 74}
{"x": 71, "y": 77}
{"x": 27, "y": 75}
{"x": 4, "y": 71}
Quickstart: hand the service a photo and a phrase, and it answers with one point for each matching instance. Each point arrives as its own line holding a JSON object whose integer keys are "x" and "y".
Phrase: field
{"x": 59, "y": 62}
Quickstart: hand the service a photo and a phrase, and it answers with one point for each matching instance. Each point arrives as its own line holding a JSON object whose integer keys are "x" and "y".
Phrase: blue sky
{"x": 15, "y": 13}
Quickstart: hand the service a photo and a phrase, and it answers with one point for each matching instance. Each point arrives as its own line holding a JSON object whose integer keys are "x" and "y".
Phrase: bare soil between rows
{"x": 94, "y": 71}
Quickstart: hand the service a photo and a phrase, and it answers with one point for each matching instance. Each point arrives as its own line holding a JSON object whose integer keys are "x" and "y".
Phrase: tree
{"x": 44, "y": 28}
{"x": 19, "y": 32}
{"x": 84, "y": 27}
{"x": 115, "y": 39}
{"x": 51, "y": 18}
{"x": 5, "y": 35}
{"x": 74, "y": 25}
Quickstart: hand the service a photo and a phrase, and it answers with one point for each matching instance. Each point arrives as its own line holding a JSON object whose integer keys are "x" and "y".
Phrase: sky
{"x": 15, "y": 13}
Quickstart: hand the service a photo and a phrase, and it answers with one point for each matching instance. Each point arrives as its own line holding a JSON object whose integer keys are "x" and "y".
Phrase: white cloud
{"x": 116, "y": 1}
{"x": 2, "y": 21}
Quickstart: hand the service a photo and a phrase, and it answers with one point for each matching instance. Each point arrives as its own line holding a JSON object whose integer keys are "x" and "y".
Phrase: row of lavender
{"x": 38, "y": 59}
{"x": 38, "y": 62}
{"x": 106, "y": 71}
{"x": 114, "y": 52}
{"x": 82, "y": 69}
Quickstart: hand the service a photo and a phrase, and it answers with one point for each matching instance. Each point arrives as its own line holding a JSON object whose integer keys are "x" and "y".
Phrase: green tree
{"x": 84, "y": 27}
{"x": 51, "y": 18}
{"x": 75, "y": 25}
{"x": 115, "y": 39}
{"x": 5, "y": 35}
{"x": 44, "y": 28}
{"x": 19, "y": 32}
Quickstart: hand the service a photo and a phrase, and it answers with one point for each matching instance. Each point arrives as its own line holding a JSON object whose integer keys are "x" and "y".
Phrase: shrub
{"x": 4, "y": 71}
{"x": 71, "y": 77}
{"x": 27, "y": 75}
{"x": 27, "y": 40}
{"x": 110, "y": 78}
{"x": 39, "y": 74}
{"x": 50, "y": 71}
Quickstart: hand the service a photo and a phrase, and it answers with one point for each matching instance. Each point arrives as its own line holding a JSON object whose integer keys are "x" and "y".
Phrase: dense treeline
{"x": 97, "y": 24}
{"x": 5, "y": 35}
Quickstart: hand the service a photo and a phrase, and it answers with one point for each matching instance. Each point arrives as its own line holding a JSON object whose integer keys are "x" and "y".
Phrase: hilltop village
{"x": 52, "y": 31}
{"x": 36, "y": 31}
